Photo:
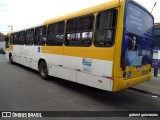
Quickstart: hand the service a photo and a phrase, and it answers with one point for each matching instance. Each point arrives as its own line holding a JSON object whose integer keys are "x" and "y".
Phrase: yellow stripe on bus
{"x": 52, "y": 49}
{"x": 84, "y": 52}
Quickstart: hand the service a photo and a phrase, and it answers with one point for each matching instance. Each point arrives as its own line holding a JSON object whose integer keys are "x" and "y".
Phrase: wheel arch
{"x": 43, "y": 59}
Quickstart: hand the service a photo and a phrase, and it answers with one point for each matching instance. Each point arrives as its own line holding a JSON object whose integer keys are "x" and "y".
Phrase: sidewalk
{"x": 151, "y": 86}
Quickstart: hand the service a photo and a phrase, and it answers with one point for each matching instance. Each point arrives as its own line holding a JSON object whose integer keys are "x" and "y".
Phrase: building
{"x": 157, "y": 36}
{"x": 156, "y": 52}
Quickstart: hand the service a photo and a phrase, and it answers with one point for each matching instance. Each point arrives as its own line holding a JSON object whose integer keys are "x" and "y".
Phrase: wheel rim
{"x": 44, "y": 70}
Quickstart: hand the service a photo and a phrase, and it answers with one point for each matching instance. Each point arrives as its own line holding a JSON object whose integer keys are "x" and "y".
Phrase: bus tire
{"x": 43, "y": 70}
{"x": 11, "y": 58}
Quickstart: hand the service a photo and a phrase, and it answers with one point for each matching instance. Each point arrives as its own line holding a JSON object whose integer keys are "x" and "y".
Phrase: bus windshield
{"x": 139, "y": 21}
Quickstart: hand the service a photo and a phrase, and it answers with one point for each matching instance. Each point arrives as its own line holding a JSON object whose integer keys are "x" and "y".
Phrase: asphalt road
{"x": 21, "y": 89}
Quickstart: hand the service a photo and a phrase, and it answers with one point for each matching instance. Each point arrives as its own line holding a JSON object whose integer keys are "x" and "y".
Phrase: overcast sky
{"x": 25, "y": 13}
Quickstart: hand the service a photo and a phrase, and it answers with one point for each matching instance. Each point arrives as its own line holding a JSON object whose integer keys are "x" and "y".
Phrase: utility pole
{"x": 11, "y": 27}
{"x": 155, "y": 69}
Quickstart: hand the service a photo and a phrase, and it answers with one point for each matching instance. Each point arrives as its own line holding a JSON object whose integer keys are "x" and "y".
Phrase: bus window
{"x": 30, "y": 37}
{"x": 15, "y": 38}
{"x": 11, "y": 39}
{"x": 21, "y": 38}
{"x": 55, "y": 35}
{"x": 105, "y": 28}
{"x": 79, "y": 31}
{"x": 40, "y": 35}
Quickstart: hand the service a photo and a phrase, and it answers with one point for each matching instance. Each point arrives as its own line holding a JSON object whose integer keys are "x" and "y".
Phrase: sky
{"x": 26, "y": 13}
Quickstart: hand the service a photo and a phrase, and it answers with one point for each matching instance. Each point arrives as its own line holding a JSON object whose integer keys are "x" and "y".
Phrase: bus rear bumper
{"x": 120, "y": 83}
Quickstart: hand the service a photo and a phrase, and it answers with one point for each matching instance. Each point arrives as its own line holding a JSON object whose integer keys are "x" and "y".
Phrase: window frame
{"x": 80, "y": 31}
{"x": 26, "y": 42}
{"x": 114, "y": 29}
{"x": 56, "y": 33}
{"x": 39, "y": 37}
{"x": 24, "y": 37}
{"x": 17, "y": 40}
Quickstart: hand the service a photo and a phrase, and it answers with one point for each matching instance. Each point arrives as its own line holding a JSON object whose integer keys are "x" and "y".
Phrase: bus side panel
{"x": 54, "y": 58}
{"x": 87, "y": 57}
{"x": 94, "y": 81}
{"x": 96, "y": 76}
{"x": 26, "y": 54}
{"x": 15, "y": 53}
{"x": 88, "y": 71}
{"x": 93, "y": 65}
{"x": 64, "y": 73}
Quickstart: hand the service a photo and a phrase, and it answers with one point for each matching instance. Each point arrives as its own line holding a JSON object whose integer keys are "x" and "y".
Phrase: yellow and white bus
{"x": 108, "y": 46}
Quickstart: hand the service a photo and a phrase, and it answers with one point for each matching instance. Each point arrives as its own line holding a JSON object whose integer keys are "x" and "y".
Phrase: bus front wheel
{"x": 11, "y": 58}
{"x": 43, "y": 70}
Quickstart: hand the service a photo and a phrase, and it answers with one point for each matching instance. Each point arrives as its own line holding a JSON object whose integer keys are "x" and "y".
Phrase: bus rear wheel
{"x": 43, "y": 70}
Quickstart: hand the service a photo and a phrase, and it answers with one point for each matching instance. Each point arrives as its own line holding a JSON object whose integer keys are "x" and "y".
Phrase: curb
{"x": 145, "y": 92}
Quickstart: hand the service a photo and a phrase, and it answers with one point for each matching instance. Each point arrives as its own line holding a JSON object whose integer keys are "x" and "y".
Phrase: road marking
{"x": 144, "y": 92}
{"x": 157, "y": 88}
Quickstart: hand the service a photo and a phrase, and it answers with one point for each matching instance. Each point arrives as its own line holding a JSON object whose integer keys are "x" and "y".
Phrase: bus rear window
{"x": 138, "y": 21}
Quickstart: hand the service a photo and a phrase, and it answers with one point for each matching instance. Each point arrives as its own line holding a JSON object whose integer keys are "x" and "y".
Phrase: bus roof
{"x": 109, "y": 4}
